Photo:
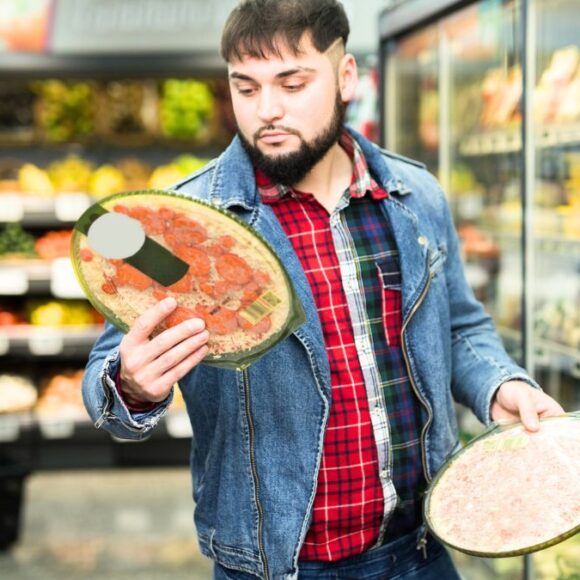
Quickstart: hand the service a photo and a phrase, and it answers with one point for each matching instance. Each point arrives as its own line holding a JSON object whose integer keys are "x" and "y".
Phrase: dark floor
{"x": 124, "y": 524}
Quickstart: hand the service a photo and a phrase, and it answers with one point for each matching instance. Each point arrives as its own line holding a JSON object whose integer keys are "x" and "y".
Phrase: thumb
{"x": 528, "y": 413}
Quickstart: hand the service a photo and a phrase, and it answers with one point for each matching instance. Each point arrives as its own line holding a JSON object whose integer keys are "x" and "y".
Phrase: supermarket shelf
{"x": 14, "y": 426}
{"x": 545, "y": 244}
{"x": 510, "y": 140}
{"x": 70, "y": 341}
{"x": 32, "y": 210}
{"x": 548, "y": 353}
{"x": 24, "y": 277}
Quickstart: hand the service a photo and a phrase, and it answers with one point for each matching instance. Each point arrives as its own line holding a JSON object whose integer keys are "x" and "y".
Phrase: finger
{"x": 179, "y": 371}
{"x": 144, "y": 325}
{"x": 528, "y": 413}
{"x": 167, "y": 339}
{"x": 549, "y": 407}
{"x": 178, "y": 353}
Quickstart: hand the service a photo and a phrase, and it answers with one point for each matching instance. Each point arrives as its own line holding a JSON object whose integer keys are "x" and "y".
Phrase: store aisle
{"x": 114, "y": 525}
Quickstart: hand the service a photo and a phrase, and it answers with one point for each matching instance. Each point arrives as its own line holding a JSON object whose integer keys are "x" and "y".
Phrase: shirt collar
{"x": 361, "y": 182}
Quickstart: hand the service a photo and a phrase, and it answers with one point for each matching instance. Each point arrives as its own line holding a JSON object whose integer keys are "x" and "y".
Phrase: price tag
{"x": 9, "y": 428}
{"x": 63, "y": 282}
{"x": 70, "y": 206}
{"x": 56, "y": 428}
{"x": 13, "y": 281}
{"x": 4, "y": 344}
{"x": 45, "y": 343}
{"x": 11, "y": 208}
{"x": 178, "y": 425}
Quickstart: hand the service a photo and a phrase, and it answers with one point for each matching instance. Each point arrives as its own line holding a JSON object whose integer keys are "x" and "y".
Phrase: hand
{"x": 516, "y": 400}
{"x": 150, "y": 367}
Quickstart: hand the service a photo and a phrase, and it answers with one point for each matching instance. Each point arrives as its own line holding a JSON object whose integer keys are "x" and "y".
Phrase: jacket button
{"x": 422, "y": 240}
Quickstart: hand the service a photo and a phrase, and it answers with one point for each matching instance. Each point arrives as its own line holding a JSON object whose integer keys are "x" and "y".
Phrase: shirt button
{"x": 377, "y": 412}
{"x": 384, "y": 474}
{"x": 422, "y": 240}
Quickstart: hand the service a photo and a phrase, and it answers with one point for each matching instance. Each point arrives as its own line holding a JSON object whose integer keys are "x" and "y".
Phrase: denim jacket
{"x": 258, "y": 433}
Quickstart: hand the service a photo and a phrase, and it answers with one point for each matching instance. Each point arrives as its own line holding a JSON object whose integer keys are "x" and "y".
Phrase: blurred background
{"x": 103, "y": 96}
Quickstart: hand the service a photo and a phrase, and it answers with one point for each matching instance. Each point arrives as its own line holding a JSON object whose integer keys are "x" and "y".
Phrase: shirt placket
{"x": 347, "y": 259}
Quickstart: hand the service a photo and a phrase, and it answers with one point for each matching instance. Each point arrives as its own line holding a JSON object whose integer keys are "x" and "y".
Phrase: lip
{"x": 273, "y": 136}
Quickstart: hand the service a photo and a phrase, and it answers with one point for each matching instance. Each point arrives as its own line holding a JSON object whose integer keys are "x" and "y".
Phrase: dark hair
{"x": 256, "y": 28}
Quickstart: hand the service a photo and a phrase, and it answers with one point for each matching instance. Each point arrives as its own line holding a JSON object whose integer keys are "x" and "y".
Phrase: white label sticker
{"x": 11, "y": 208}
{"x": 69, "y": 207}
{"x": 13, "y": 281}
{"x": 116, "y": 236}
{"x": 63, "y": 282}
{"x": 45, "y": 343}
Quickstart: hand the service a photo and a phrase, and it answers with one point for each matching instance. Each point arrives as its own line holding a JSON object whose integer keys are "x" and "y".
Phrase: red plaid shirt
{"x": 355, "y": 495}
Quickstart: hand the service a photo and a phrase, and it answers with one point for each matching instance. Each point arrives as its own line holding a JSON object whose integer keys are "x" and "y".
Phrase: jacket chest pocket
{"x": 389, "y": 274}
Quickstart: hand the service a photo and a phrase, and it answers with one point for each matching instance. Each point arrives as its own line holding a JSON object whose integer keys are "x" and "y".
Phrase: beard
{"x": 290, "y": 168}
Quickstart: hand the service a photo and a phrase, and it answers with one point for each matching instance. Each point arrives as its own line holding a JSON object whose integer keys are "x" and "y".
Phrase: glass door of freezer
{"x": 452, "y": 98}
{"x": 554, "y": 155}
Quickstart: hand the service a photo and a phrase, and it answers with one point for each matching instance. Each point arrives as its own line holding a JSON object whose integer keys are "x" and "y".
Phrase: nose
{"x": 269, "y": 107}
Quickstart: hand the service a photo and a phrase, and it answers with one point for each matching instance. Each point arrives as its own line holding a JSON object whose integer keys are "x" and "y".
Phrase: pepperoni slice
{"x": 259, "y": 328}
{"x": 233, "y": 269}
{"x": 179, "y": 315}
{"x": 197, "y": 259}
{"x": 126, "y": 275}
{"x": 86, "y": 255}
{"x": 218, "y": 319}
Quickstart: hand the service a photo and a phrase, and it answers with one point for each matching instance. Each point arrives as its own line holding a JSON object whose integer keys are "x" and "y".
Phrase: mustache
{"x": 280, "y": 128}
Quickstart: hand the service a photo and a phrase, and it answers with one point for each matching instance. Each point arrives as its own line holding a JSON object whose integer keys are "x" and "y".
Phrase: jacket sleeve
{"x": 480, "y": 363}
{"x": 104, "y": 405}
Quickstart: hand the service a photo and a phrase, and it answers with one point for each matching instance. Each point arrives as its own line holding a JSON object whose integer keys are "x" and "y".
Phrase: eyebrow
{"x": 287, "y": 73}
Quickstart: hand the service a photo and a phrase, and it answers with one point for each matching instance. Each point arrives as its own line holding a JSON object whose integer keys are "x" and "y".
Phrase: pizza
{"x": 510, "y": 492}
{"x": 212, "y": 263}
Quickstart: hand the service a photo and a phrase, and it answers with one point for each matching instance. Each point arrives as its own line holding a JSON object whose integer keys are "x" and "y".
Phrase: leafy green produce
{"x": 14, "y": 240}
{"x": 185, "y": 108}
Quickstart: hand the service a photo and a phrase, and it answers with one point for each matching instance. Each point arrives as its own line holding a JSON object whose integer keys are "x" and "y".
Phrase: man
{"x": 312, "y": 463}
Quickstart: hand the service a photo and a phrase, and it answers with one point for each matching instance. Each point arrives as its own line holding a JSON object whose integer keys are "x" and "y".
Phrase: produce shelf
{"x": 41, "y": 341}
{"x": 32, "y": 210}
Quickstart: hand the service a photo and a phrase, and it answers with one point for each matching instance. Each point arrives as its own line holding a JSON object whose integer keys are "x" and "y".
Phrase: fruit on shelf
{"x": 185, "y": 108}
{"x": 71, "y": 174}
{"x": 57, "y": 313}
{"x": 188, "y": 164}
{"x": 135, "y": 172}
{"x": 14, "y": 241}
{"x": 61, "y": 396}
{"x": 105, "y": 181}
{"x": 66, "y": 110}
{"x": 17, "y": 394}
{"x": 54, "y": 244}
{"x": 32, "y": 179}
{"x": 10, "y": 318}
{"x": 165, "y": 176}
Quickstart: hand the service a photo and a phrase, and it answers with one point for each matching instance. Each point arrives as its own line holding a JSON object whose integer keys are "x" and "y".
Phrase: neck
{"x": 328, "y": 179}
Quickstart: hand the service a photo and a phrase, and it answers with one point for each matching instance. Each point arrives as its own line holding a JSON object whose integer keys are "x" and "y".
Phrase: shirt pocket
{"x": 389, "y": 274}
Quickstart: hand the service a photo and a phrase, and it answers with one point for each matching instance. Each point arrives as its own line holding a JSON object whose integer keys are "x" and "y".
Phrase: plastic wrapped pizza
{"x": 131, "y": 250}
{"x": 509, "y": 491}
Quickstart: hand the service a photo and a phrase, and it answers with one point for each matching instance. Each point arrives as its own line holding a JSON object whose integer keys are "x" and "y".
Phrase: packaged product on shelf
{"x": 71, "y": 174}
{"x": 53, "y": 244}
{"x": 16, "y": 243}
{"x": 61, "y": 396}
{"x": 61, "y": 313}
{"x": 17, "y": 394}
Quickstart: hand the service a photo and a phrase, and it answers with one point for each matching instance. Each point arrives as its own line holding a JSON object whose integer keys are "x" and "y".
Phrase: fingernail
{"x": 168, "y": 303}
{"x": 195, "y": 324}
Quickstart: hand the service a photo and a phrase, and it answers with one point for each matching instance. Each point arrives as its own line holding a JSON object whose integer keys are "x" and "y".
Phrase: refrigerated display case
{"x": 487, "y": 94}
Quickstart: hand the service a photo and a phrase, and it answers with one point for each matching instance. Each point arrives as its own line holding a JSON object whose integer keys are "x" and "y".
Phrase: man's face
{"x": 288, "y": 109}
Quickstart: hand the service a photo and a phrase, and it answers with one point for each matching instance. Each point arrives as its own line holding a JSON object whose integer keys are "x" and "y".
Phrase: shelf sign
{"x": 11, "y": 208}
{"x": 45, "y": 343}
{"x": 13, "y": 281}
{"x": 9, "y": 428}
{"x": 4, "y": 344}
{"x": 63, "y": 282}
{"x": 68, "y": 207}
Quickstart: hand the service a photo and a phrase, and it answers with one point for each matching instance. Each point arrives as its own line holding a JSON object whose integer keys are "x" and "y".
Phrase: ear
{"x": 347, "y": 77}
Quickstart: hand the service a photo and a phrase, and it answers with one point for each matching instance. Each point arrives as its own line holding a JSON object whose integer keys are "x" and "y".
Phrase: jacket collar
{"x": 238, "y": 187}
